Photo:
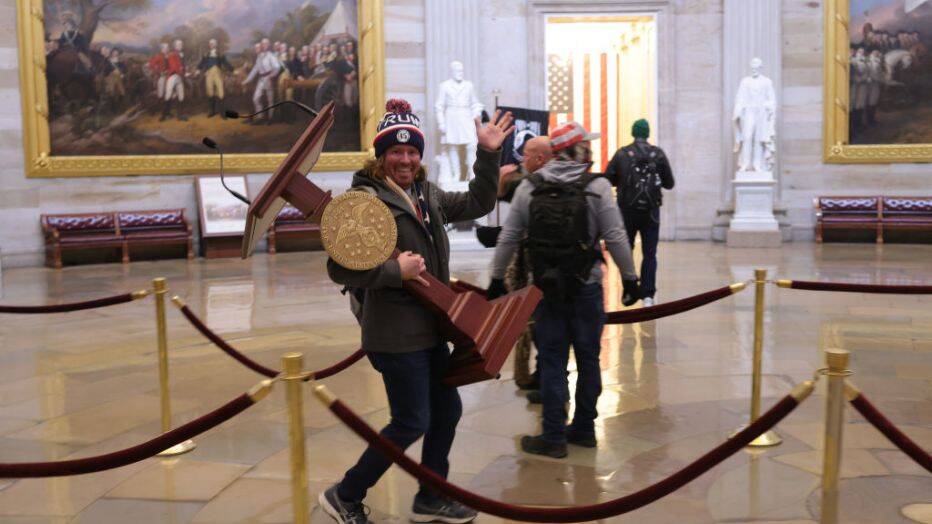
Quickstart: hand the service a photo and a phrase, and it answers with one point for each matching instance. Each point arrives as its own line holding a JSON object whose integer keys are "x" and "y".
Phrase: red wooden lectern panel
{"x": 482, "y": 332}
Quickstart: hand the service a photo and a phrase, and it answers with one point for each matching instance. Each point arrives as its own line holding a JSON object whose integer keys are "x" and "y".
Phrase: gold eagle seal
{"x": 358, "y": 230}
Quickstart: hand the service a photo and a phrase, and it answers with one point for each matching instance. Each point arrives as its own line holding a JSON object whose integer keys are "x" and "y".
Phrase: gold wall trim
{"x": 37, "y": 141}
{"x": 836, "y": 99}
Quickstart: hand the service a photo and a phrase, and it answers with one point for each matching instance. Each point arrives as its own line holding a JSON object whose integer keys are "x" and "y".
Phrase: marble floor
{"x": 84, "y": 383}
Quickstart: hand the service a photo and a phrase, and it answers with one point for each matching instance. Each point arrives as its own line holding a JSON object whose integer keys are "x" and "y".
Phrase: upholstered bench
{"x": 841, "y": 212}
{"x": 78, "y": 231}
{"x": 290, "y": 224}
{"x": 154, "y": 228}
{"x": 900, "y": 212}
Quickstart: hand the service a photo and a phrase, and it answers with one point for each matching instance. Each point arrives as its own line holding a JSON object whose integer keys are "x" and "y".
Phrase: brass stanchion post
{"x": 161, "y": 328}
{"x": 770, "y": 438}
{"x": 293, "y": 366}
{"x": 837, "y": 360}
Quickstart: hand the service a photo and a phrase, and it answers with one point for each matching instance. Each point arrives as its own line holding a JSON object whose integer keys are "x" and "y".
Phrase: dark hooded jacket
{"x": 392, "y": 320}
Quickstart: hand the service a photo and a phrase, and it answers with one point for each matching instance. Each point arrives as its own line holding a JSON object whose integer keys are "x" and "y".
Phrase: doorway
{"x": 601, "y": 70}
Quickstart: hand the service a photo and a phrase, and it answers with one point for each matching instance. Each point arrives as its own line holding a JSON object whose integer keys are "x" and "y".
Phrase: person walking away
{"x": 535, "y": 153}
{"x": 639, "y": 171}
{"x": 564, "y": 211}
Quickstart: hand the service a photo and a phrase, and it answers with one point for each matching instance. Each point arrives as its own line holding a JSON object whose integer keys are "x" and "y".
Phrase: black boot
{"x": 213, "y": 107}
{"x": 178, "y": 115}
{"x": 221, "y": 109}
{"x": 538, "y": 446}
{"x": 166, "y": 107}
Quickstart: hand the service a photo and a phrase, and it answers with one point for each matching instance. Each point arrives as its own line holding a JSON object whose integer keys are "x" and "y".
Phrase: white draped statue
{"x": 755, "y": 121}
{"x": 457, "y": 106}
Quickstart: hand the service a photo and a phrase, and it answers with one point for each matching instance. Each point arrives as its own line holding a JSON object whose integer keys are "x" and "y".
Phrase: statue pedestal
{"x": 753, "y": 224}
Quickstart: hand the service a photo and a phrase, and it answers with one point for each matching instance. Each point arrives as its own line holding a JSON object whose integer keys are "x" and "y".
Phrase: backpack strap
{"x": 584, "y": 180}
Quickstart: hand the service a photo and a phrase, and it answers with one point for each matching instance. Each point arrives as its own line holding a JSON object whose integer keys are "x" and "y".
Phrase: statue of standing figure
{"x": 755, "y": 118}
{"x": 457, "y": 106}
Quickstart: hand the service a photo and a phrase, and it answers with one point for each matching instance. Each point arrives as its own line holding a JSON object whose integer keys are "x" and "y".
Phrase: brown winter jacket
{"x": 393, "y": 321}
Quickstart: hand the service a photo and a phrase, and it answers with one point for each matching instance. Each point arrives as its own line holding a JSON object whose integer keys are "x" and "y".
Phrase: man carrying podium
{"x": 401, "y": 337}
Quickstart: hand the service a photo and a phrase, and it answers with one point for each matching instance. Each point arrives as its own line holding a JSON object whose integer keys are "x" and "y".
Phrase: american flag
{"x": 559, "y": 84}
{"x": 585, "y": 87}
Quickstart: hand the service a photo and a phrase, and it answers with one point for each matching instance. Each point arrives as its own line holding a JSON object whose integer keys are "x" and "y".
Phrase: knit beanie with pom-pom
{"x": 399, "y": 125}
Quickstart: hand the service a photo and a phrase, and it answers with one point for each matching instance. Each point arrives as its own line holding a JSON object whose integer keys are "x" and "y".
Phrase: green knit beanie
{"x": 640, "y": 129}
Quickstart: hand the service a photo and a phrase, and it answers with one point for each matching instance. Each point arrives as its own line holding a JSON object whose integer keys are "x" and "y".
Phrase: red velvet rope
{"x": 572, "y": 514}
{"x": 257, "y": 367}
{"x": 73, "y": 306}
{"x": 129, "y": 455}
{"x": 897, "y": 437}
{"x": 338, "y": 367}
{"x": 225, "y": 347}
{"x": 630, "y": 316}
{"x": 860, "y": 288}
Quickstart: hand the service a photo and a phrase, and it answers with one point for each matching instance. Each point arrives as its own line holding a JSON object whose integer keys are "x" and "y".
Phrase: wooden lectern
{"x": 482, "y": 332}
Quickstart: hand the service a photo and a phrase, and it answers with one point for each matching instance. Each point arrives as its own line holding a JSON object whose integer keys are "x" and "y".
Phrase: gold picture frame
{"x": 40, "y": 163}
{"x": 836, "y": 100}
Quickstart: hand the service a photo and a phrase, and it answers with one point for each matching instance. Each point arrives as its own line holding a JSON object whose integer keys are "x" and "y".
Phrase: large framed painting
{"x": 878, "y": 81}
{"x": 129, "y": 87}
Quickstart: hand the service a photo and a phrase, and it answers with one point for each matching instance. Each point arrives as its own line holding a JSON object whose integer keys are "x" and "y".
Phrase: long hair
{"x": 576, "y": 153}
{"x": 375, "y": 168}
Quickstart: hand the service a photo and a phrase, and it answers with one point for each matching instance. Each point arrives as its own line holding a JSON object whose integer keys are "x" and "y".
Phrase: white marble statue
{"x": 456, "y": 107}
{"x": 755, "y": 121}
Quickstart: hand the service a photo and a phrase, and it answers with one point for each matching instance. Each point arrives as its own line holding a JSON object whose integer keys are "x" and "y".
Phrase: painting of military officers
{"x": 890, "y": 72}
{"x": 159, "y": 79}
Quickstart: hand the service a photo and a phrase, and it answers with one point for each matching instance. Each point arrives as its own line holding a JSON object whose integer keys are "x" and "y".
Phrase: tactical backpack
{"x": 560, "y": 252}
{"x": 641, "y": 190}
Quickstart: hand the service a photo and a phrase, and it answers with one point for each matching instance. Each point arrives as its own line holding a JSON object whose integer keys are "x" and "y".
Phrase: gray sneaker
{"x": 441, "y": 510}
{"x": 342, "y": 511}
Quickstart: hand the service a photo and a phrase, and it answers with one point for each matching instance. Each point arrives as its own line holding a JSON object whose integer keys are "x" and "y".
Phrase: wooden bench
{"x": 900, "y": 212}
{"x": 120, "y": 230}
{"x": 152, "y": 228}
{"x": 874, "y": 213}
{"x": 290, "y": 224}
{"x": 78, "y": 231}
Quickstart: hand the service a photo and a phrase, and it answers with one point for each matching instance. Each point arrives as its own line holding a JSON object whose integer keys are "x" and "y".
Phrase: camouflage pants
{"x": 516, "y": 277}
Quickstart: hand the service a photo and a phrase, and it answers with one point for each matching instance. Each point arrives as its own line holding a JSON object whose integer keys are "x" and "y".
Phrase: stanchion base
{"x": 766, "y": 440}
{"x": 179, "y": 449}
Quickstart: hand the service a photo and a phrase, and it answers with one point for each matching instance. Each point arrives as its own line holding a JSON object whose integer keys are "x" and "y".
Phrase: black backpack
{"x": 641, "y": 190}
{"x": 558, "y": 245}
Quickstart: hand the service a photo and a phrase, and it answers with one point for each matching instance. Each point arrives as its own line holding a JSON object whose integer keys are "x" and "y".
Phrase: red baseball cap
{"x": 570, "y": 134}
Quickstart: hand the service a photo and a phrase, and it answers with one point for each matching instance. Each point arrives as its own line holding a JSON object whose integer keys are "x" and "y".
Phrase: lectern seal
{"x": 358, "y": 230}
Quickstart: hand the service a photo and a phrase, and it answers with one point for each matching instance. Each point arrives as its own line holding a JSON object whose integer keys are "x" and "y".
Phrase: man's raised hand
{"x": 492, "y": 135}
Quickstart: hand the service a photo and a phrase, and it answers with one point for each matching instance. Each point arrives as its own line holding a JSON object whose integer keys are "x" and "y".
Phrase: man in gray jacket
{"x": 574, "y": 313}
{"x": 401, "y": 337}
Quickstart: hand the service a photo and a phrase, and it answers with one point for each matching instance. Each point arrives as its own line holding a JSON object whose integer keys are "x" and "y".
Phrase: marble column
{"x": 451, "y": 33}
{"x": 751, "y": 28}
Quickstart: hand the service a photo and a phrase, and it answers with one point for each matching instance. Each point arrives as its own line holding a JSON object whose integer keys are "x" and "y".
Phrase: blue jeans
{"x": 420, "y": 405}
{"x": 648, "y": 224}
{"x": 557, "y": 325}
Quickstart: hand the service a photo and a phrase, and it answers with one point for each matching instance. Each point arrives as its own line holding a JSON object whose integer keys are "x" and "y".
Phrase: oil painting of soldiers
{"x": 890, "y": 72}
{"x": 141, "y": 86}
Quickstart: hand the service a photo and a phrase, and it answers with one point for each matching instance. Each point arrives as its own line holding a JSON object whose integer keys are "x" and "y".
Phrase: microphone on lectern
{"x": 207, "y": 141}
